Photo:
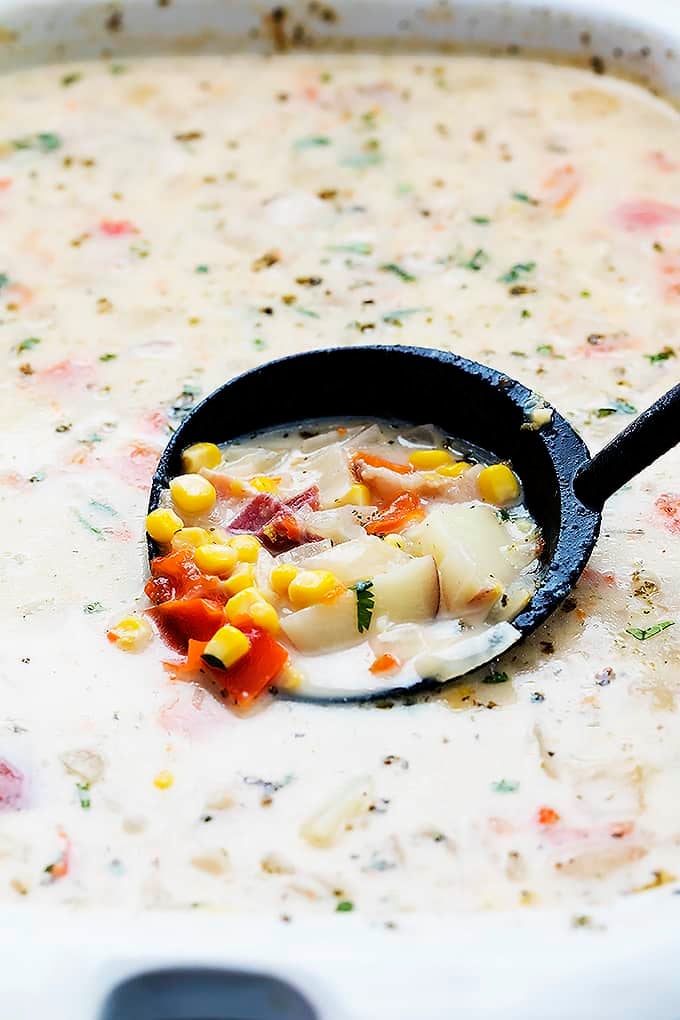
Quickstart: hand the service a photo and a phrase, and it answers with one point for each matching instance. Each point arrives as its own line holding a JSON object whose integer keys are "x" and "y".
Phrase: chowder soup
{"x": 167, "y": 224}
{"x": 375, "y": 555}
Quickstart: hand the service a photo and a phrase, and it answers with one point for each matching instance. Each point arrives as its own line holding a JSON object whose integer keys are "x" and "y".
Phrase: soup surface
{"x": 166, "y": 224}
{"x": 372, "y": 556}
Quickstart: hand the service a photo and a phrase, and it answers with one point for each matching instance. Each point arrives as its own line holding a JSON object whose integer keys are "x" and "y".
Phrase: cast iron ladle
{"x": 565, "y": 489}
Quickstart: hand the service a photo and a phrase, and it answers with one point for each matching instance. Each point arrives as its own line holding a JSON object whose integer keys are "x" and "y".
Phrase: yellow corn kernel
{"x": 193, "y": 494}
{"x": 453, "y": 470}
{"x": 226, "y": 647}
{"x": 130, "y": 634}
{"x": 281, "y": 576}
{"x": 243, "y": 577}
{"x": 290, "y": 678}
{"x": 237, "y": 487}
{"x": 161, "y": 524}
{"x": 396, "y": 540}
{"x": 498, "y": 484}
{"x": 219, "y": 560}
{"x": 164, "y": 780}
{"x": 263, "y": 483}
{"x": 356, "y": 495}
{"x": 190, "y": 538}
{"x": 238, "y": 607}
{"x": 311, "y": 586}
{"x": 428, "y": 460}
{"x": 201, "y": 455}
{"x": 265, "y": 616}
{"x": 246, "y": 547}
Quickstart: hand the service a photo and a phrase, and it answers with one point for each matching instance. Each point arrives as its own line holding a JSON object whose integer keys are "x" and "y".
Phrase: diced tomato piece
{"x": 646, "y": 214}
{"x": 181, "y": 619}
{"x": 380, "y": 462}
{"x": 402, "y": 511}
{"x": 252, "y": 674}
{"x": 11, "y": 785}
{"x": 384, "y": 664}
{"x": 547, "y": 816}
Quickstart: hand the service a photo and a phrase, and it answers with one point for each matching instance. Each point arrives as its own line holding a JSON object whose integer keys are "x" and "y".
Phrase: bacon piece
{"x": 274, "y": 522}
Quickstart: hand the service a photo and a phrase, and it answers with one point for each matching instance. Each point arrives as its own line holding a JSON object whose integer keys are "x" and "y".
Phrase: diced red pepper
{"x": 176, "y": 576}
{"x": 547, "y": 816}
{"x": 384, "y": 664}
{"x": 404, "y": 510}
{"x": 252, "y": 674}
{"x": 181, "y": 619}
{"x": 11, "y": 785}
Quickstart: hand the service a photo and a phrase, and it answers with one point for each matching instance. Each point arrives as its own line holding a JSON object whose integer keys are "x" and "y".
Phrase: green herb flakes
{"x": 362, "y": 160}
{"x": 45, "y": 141}
{"x": 313, "y": 142}
{"x": 28, "y": 344}
{"x": 202, "y": 269}
{"x": 394, "y": 318}
{"x": 344, "y": 907}
{"x": 71, "y": 79}
{"x": 354, "y": 248}
{"x": 482, "y": 220}
{"x": 517, "y": 271}
{"x": 477, "y": 262}
{"x": 403, "y": 274}
{"x": 92, "y": 528}
{"x": 93, "y": 607}
{"x": 365, "y": 604}
{"x": 258, "y": 343}
{"x": 108, "y": 357}
{"x": 84, "y": 795}
{"x": 496, "y": 677}
{"x": 642, "y": 634}
{"x": 616, "y": 407}
{"x": 663, "y": 355}
{"x": 522, "y": 196}
{"x": 4, "y": 280}
{"x": 505, "y": 786}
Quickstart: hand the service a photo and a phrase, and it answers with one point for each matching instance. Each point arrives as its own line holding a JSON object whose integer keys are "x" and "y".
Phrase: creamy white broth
{"x": 415, "y": 550}
{"x": 144, "y": 266}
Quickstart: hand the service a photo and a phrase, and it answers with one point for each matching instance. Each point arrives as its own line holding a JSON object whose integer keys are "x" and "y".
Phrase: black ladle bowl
{"x": 564, "y": 488}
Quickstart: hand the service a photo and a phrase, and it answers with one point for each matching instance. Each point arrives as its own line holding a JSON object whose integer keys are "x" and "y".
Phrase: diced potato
{"x": 339, "y": 525}
{"x": 325, "y": 827}
{"x": 473, "y": 549}
{"x": 328, "y": 468}
{"x": 322, "y": 627}
{"x": 360, "y": 558}
{"x": 408, "y": 593}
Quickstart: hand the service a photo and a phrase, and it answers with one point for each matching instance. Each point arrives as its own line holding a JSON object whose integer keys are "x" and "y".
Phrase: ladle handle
{"x": 652, "y": 434}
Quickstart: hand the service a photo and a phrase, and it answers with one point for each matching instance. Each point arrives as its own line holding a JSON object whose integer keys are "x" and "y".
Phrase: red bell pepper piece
{"x": 181, "y": 619}
{"x": 252, "y": 674}
{"x": 176, "y": 576}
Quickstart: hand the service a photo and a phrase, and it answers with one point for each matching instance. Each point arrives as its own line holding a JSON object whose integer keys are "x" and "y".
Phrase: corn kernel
{"x": 226, "y": 647}
{"x": 281, "y": 576}
{"x": 453, "y": 470}
{"x": 498, "y": 484}
{"x": 201, "y": 455}
{"x": 310, "y": 587}
{"x": 130, "y": 634}
{"x": 238, "y": 607}
{"x": 246, "y": 547}
{"x": 219, "y": 560}
{"x": 192, "y": 493}
{"x": 265, "y": 616}
{"x": 242, "y": 577}
{"x": 164, "y": 780}
{"x": 428, "y": 460}
{"x": 161, "y": 524}
{"x": 356, "y": 495}
{"x": 290, "y": 678}
{"x": 263, "y": 483}
{"x": 190, "y": 538}
{"x": 396, "y": 540}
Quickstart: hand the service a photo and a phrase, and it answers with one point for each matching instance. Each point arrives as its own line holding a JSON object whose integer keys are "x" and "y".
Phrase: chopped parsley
{"x": 308, "y": 312}
{"x": 93, "y": 529}
{"x": 45, "y": 141}
{"x": 108, "y": 357}
{"x": 403, "y": 274}
{"x": 522, "y": 196}
{"x": 642, "y": 634}
{"x": 4, "y": 280}
{"x": 258, "y": 343}
{"x": 517, "y": 271}
{"x": 365, "y": 604}
{"x": 71, "y": 79}
{"x": 93, "y": 607}
{"x": 663, "y": 355}
{"x": 477, "y": 262}
{"x": 617, "y": 407}
{"x": 496, "y": 677}
{"x": 482, "y": 220}
{"x": 394, "y": 318}
{"x": 28, "y": 344}
{"x": 313, "y": 142}
{"x": 84, "y": 795}
{"x": 362, "y": 160}
{"x": 505, "y": 786}
{"x": 344, "y": 907}
{"x": 202, "y": 269}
